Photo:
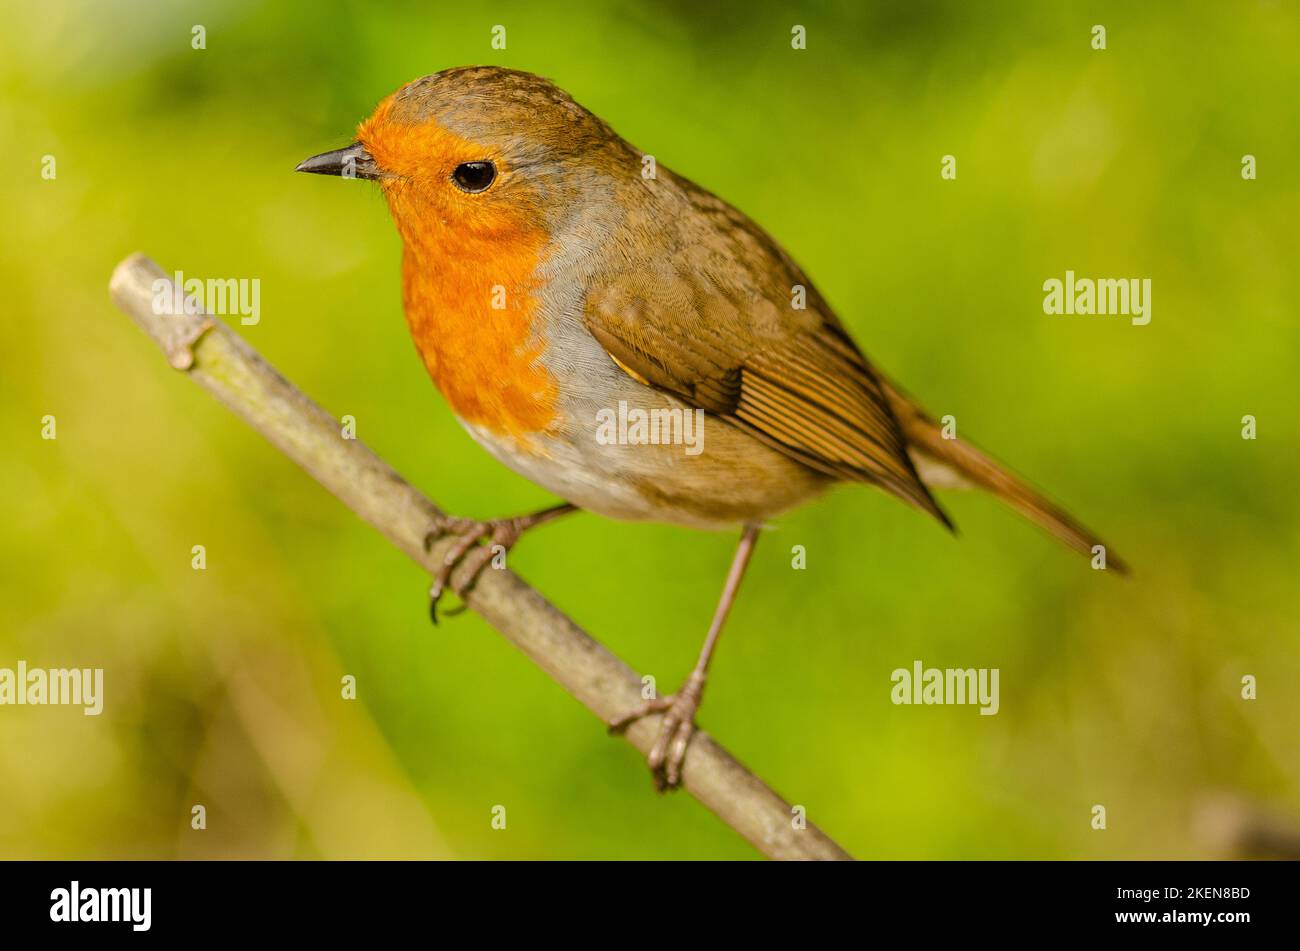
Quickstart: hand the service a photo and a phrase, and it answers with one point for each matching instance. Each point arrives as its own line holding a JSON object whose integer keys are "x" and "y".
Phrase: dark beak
{"x": 351, "y": 162}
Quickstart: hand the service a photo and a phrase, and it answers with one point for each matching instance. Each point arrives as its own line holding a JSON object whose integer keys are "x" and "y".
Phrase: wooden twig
{"x": 222, "y": 363}
{"x": 1232, "y": 826}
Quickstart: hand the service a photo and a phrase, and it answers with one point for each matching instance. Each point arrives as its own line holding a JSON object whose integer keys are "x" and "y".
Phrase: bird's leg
{"x": 669, "y": 751}
{"x": 498, "y": 531}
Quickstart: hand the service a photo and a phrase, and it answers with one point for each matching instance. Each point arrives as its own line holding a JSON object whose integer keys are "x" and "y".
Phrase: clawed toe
{"x": 475, "y": 556}
{"x": 501, "y": 535}
{"x": 668, "y": 754}
{"x": 657, "y": 705}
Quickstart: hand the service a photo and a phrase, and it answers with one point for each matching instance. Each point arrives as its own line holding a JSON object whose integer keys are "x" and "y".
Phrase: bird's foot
{"x": 468, "y": 551}
{"x": 666, "y": 757}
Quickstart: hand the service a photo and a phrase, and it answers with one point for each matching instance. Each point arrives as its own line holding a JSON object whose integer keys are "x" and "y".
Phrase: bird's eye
{"x": 474, "y": 176}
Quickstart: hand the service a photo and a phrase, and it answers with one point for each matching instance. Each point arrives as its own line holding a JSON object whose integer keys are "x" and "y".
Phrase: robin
{"x": 631, "y": 342}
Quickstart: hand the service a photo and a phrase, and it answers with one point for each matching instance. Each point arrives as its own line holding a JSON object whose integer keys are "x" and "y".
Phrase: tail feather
{"x": 952, "y": 462}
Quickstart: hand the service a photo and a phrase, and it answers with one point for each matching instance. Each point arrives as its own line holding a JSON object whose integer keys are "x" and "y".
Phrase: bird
{"x": 632, "y": 343}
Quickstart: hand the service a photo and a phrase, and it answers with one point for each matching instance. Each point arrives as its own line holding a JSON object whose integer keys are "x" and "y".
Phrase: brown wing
{"x": 713, "y": 324}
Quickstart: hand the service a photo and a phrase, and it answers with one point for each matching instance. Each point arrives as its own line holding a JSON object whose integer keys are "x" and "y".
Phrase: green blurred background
{"x": 222, "y": 686}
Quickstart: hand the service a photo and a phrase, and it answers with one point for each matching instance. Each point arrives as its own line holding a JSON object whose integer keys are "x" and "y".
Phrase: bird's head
{"x": 479, "y": 151}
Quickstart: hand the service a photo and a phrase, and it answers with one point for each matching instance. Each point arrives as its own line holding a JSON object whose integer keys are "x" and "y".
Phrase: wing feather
{"x": 791, "y": 378}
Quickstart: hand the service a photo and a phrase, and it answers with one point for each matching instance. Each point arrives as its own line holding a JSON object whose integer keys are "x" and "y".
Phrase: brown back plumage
{"x": 713, "y": 324}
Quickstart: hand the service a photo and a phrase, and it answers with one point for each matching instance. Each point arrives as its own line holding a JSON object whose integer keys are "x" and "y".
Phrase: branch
{"x": 1234, "y": 827}
{"x": 222, "y": 363}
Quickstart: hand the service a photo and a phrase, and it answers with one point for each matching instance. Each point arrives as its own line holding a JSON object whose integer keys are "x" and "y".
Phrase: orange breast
{"x": 471, "y": 305}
